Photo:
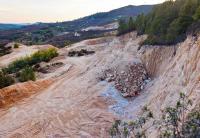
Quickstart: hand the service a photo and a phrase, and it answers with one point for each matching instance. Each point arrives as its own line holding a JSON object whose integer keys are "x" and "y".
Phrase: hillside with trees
{"x": 167, "y": 23}
{"x": 63, "y": 33}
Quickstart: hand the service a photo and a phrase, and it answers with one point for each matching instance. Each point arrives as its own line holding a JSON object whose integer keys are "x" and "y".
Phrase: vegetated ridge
{"x": 168, "y": 23}
{"x": 65, "y": 33}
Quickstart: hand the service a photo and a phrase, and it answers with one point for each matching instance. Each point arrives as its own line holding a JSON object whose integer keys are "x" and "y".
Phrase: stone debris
{"x": 82, "y": 52}
{"x": 129, "y": 81}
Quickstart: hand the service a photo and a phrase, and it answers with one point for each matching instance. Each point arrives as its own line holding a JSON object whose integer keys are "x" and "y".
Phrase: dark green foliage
{"x": 27, "y": 74}
{"x": 43, "y": 55}
{"x": 140, "y": 24}
{"x": 150, "y": 115}
{"x": 124, "y": 129}
{"x": 189, "y": 7}
{"x": 131, "y": 24}
{"x": 174, "y": 124}
{"x": 123, "y": 27}
{"x": 16, "y": 45}
{"x": 197, "y": 14}
{"x": 191, "y": 128}
{"x": 40, "y": 56}
{"x": 177, "y": 29}
{"x": 17, "y": 65}
{"x": 5, "y": 80}
{"x": 177, "y": 125}
{"x": 168, "y": 23}
{"x": 115, "y": 128}
{"x": 22, "y": 68}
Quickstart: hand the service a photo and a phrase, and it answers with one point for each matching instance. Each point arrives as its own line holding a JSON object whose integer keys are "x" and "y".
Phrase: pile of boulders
{"x": 129, "y": 81}
{"x": 82, "y": 52}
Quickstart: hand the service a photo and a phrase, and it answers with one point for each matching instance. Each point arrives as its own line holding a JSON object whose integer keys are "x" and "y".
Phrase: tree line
{"x": 167, "y": 23}
{"x": 126, "y": 26}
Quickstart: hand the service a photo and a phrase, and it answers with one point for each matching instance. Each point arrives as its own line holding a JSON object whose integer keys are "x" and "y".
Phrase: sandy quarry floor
{"x": 77, "y": 104}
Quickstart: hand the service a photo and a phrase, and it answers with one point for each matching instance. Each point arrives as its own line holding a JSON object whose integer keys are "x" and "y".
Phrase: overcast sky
{"x": 28, "y": 11}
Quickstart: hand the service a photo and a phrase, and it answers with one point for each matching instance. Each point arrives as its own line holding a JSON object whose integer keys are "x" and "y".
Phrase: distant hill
{"x": 108, "y": 17}
{"x": 63, "y": 33}
{"x": 10, "y": 26}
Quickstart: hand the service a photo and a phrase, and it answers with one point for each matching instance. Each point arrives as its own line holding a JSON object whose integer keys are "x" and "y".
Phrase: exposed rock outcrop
{"x": 172, "y": 74}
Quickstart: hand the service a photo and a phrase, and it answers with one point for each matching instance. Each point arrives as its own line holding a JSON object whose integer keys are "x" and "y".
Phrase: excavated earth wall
{"x": 82, "y": 97}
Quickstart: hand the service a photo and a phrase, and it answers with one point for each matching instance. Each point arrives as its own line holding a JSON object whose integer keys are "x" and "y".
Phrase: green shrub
{"x": 176, "y": 124}
{"x": 17, "y": 65}
{"x": 40, "y": 56}
{"x": 16, "y": 45}
{"x": 27, "y": 74}
{"x": 191, "y": 127}
{"x": 5, "y": 80}
{"x": 123, "y": 129}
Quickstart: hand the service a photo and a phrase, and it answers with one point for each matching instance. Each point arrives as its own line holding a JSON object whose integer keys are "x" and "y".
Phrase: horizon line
{"x": 30, "y": 23}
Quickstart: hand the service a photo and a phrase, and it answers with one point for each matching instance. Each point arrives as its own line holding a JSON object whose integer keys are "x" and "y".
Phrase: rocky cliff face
{"x": 173, "y": 70}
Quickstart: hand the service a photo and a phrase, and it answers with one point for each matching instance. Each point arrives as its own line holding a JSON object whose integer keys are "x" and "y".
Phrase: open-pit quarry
{"x": 81, "y": 96}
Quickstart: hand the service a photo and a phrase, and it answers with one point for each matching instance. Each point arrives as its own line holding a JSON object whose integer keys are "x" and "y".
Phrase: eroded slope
{"x": 78, "y": 104}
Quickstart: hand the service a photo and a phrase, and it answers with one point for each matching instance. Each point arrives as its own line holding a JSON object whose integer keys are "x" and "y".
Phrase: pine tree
{"x": 131, "y": 24}
{"x": 123, "y": 27}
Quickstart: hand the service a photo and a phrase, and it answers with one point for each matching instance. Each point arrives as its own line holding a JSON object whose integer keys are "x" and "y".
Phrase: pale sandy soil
{"x": 105, "y": 27}
{"x": 73, "y": 106}
{"x": 22, "y": 51}
{"x": 78, "y": 105}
